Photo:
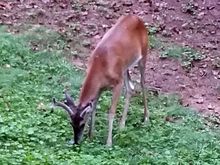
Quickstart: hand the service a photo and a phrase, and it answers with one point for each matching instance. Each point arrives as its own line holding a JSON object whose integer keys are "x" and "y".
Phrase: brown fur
{"x": 114, "y": 53}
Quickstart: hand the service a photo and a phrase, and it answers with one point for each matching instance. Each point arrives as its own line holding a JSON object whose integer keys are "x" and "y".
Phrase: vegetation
{"x": 185, "y": 55}
{"x": 31, "y": 134}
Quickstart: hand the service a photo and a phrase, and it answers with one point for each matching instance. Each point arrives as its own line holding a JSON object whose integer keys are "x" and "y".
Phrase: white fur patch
{"x": 131, "y": 85}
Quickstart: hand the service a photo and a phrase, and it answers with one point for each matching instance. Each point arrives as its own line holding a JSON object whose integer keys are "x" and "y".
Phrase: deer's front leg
{"x": 91, "y": 124}
{"x": 111, "y": 115}
{"x": 92, "y": 120}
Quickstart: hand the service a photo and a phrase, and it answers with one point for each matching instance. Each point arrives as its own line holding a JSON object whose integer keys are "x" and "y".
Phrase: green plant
{"x": 185, "y": 54}
{"x": 42, "y": 38}
{"x": 155, "y": 42}
{"x": 153, "y": 30}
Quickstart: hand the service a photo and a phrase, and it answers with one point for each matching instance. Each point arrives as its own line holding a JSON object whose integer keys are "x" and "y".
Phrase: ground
{"x": 190, "y": 23}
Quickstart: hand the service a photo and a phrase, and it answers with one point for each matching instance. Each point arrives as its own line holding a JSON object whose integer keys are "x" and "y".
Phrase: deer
{"x": 124, "y": 45}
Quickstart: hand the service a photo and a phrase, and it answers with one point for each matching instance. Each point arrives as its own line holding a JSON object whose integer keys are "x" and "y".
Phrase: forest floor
{"x": 177, "y": 28}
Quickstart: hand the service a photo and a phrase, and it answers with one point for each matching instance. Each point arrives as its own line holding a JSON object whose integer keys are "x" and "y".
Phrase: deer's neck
{"x": 90, "y": 90}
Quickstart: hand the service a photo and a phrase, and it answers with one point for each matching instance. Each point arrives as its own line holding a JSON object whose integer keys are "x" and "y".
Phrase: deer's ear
{"x": 86, "y": 109}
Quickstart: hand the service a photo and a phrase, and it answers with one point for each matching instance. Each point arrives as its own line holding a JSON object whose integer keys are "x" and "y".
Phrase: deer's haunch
{"x": 123, "y": 46}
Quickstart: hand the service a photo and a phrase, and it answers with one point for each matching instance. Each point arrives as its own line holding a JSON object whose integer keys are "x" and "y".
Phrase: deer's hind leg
{"x": 128, "y": 87}
{"x": 141, "y": 65}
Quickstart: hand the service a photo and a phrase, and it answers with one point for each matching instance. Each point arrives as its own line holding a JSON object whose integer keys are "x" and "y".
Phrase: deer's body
{"x": 124, "y": 45}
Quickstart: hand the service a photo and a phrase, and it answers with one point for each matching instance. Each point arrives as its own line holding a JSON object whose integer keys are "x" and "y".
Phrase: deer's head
{"x": 78, "y": 115}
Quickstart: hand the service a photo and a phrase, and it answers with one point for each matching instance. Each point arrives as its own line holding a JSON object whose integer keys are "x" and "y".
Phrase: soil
{"x": 195, "y": 23}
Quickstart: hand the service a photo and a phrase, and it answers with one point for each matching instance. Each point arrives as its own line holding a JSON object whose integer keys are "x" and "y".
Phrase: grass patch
{"x": 155, "y": 42}
{"x": 41, "y": 38}
{"x": 185, "y": 55}
{"x": 30, "y": 134}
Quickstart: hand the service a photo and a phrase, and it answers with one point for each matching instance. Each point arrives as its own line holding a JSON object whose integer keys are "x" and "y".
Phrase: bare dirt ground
{"x": 195, "y": 23}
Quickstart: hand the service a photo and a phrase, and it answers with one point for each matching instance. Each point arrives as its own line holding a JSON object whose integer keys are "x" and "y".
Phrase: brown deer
{"x": 123, "y": 46}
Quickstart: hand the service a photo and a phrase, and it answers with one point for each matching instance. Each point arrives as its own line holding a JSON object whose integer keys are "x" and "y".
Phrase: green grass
{"x": 31, "y": 134}
{"x": 155, "y": 42}
{"x": 40, "y": 37}
{"x": 185, "y": 55}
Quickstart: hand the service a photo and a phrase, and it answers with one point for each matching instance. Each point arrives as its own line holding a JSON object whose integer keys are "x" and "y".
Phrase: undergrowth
{"x": 31, "y": 134}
